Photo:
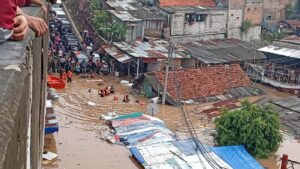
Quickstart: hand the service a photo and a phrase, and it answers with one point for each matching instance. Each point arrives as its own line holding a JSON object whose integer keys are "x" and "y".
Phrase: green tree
{"x": 95, "y": 5}
{"x": 117, "y": 31}
{"x": 107, "y": 27}
{"x": 289, "y": 11}
{"x": 246, "y": 25}
{"x": 100, "y": 19}
{"x": 255, "y": 127}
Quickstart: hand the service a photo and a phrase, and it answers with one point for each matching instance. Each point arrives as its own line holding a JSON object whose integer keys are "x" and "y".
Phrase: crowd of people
{"x": 14, "y": 25}
{"x": 63, "y": 57}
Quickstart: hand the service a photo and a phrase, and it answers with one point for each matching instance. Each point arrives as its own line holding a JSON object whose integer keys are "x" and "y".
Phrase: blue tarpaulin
{"x": 50, "y": 130}
{"x": 188, "y": 147}
{"x": 237, "y": 157}
{"x": 137, "y": 155}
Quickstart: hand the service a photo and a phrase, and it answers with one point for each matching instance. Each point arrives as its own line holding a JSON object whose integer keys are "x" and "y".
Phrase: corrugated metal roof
{"x": 134, "y": 9}
{"x": 117, "y": 54}
{"x": 294, "y": 53}
{"x": 172, "y": 3}
{"x": 222, "y": 51}
{"x": 145, "y": 49}
{"x": 124, "y": 16}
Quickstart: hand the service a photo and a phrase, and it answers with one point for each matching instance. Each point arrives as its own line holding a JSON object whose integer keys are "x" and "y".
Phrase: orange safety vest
{"x": 70, "y": 74}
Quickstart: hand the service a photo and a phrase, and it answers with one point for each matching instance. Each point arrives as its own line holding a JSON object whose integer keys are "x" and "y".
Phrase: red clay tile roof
{"x": 186, "y": 3}
{"x": 203, "y": 82}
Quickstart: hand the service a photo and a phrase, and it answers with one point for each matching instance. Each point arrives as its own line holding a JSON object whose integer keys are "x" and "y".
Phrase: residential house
{"x": 235, "y": 18}
{"x": 282, "y": 68}
{"x": 290, "y": 26}
{"x": 274, "y": 11}
{"x": 218, "y": 51}
{"x": 140, "y": 57}
{"x": 213, "y": 83}
{"x": 253, "y": 12}
{"x": 139, "y": 20}
{"x": 194, "y": 20}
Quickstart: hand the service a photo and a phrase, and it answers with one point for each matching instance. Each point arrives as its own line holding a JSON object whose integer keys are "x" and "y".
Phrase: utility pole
{"x": 167, "y": 72}
{"x": 167, "y": 63}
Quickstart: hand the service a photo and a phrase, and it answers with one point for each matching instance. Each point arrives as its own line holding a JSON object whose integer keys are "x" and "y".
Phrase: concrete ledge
{"x": 20, "y": 63}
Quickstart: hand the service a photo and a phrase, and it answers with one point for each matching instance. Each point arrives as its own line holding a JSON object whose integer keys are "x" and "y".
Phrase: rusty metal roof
{"x": 156, "y": 49}
{"x": 186, "y": 3}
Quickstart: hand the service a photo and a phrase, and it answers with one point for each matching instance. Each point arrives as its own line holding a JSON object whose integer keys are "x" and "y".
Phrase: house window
{"x": 201, "y": 17}
{"x": 190, "y": 18}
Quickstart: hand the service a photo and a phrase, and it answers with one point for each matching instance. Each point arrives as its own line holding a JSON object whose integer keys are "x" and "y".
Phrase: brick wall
{"x": 253, "y": 12}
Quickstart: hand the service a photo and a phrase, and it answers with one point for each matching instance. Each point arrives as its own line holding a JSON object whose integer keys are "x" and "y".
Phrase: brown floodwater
{"x": 78, "y": 141}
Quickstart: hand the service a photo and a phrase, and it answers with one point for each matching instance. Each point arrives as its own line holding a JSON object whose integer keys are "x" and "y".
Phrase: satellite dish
{"x": 152, "y": 109}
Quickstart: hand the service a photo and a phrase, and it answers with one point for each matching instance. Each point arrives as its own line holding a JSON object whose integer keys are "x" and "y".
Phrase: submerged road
{"x": 78, "y": 142}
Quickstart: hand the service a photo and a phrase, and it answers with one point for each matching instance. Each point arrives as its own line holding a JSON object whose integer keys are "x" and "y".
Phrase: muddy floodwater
{"x": 78, "y": 142}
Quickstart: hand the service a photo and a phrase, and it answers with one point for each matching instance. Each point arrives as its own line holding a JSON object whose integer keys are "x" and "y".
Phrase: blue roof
{"x": 237, "y": 157}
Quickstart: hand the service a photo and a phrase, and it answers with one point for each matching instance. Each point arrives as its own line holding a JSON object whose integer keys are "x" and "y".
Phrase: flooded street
{"x": 78, "y": 141}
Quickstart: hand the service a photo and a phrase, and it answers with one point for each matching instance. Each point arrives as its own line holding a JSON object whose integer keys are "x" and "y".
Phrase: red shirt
{"x": 8, "y": 13}
{"x": 70, "y": 74}
{"x": 22, "y": 3}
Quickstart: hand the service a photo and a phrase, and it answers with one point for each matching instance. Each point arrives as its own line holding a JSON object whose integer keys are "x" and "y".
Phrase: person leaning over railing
{"x": 13, "y": 25}
{"x": 14, "y": 22}
{"x": 38, "y": 25}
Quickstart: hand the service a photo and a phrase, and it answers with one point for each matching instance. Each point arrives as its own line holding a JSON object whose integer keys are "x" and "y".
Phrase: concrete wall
{"x": 252, "y": 34}
{"x": 235, "y": 19}
{"x": 204, "y": 36}
{"x": 215, "y": 23}
{"x": 22, "y": 100}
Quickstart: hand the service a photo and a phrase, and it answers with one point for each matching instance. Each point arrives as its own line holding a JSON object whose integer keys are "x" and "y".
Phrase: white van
{"x": 60, "y": 15}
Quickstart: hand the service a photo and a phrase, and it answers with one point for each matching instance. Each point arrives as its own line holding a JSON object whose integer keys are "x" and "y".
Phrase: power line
{"x": 188, "y": 123}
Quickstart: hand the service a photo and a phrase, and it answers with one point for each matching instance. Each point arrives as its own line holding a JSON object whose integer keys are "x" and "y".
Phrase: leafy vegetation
{"x": 290, "y": 10}
{"x": 246, "y": 25}
{"x": 105, "y": 25}
{"x": 269, "y": 37}
{"x": 255, "y": 127}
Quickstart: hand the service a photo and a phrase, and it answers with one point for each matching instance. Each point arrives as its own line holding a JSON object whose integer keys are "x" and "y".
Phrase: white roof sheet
{"x": 293, "y": 53}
